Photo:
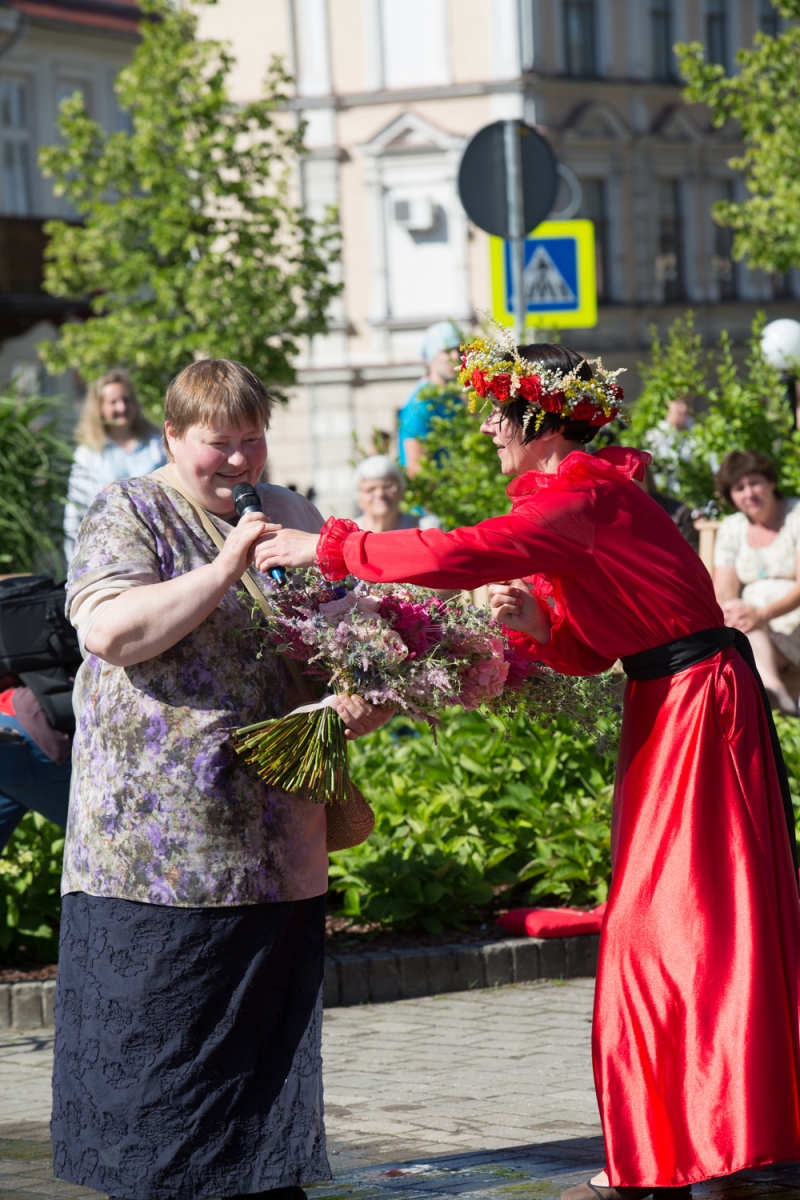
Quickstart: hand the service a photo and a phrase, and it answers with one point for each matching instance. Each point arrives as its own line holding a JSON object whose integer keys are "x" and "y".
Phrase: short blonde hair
{"x": 213, "y": 388}
{"x": 90, "y": 430}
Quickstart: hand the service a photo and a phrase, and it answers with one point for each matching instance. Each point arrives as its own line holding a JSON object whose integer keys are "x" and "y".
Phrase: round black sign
{"x": 482, "y": 178}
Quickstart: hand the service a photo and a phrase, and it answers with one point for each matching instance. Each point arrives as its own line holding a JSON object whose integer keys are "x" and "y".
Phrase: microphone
{"x": 246, "y": 500}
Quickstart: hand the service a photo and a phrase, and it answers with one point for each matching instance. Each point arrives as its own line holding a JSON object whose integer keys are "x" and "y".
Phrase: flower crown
{"x": 493, "y": 369}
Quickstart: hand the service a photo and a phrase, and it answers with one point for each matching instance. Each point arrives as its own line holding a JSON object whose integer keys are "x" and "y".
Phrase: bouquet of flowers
{"x": 394, "y": 645}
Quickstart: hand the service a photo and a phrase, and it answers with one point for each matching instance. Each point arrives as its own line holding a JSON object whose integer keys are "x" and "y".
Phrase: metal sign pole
{"x": 516, "y": 224}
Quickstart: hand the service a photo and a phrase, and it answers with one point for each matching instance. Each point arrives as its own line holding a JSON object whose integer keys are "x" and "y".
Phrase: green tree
{"x": 738, "y": 408}
{"x": 34, "y": 467}
{"x": 190, "y": 243}
{"x": 677, "y": 368}
{"x": 460, "y": 478}
{"x": 764, "y": 98}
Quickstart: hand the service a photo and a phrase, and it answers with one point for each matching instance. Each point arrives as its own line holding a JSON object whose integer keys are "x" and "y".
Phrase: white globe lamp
{"x": 780, "y": 344}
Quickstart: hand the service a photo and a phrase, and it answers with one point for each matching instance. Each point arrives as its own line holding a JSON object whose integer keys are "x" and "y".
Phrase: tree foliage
{"x": 191, "y": 244}
{"x": 764, "y": 98}
{"x": 737, "y": 408}
{"x": 34, "y": 467}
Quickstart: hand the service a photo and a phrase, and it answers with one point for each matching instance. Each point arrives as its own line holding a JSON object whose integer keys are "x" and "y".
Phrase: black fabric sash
{"x": 673, "y": 657}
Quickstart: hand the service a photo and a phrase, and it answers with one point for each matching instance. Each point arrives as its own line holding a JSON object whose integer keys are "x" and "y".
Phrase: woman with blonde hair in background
{"x": 115, "y": 441}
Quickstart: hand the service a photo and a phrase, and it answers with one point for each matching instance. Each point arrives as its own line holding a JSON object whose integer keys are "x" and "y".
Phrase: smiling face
{"x": 212, "y": 459}
{"x": 117, "y": 407}
{"x": 543, "y": 453}
{"x": 379, "y": 497}
{"x": 516, "y": 457}
{"x": 754, "y": 495}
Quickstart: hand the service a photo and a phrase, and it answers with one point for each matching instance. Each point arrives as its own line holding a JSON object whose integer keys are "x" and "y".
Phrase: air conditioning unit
{"x": 417, "y": 214}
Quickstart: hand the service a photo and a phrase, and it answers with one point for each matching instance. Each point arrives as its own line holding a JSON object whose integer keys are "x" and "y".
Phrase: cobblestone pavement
{"x": 482, "y": 1095}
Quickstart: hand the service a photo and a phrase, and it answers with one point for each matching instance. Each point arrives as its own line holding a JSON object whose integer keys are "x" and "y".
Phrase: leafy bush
{"x": 482, "y": 814}
{"x": 459, "y": 825}
{"x": 30, "y": 883}
{"x": 34, "y": 467}
{"x": 737, "y": 409}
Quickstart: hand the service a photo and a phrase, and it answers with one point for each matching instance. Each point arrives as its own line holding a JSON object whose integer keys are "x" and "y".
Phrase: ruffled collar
{"x": 613, "y": 464}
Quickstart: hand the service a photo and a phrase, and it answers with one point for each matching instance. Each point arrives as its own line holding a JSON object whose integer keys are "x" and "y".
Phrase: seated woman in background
{"x": 115, "y": 441}
{"x": 755, "y": 567}
{"x": 381, "y": 485}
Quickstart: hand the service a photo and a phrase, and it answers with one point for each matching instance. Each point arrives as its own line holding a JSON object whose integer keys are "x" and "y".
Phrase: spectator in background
{"x": 115, "y": 441}
{"x": 380, "y": 487}
{"x": 667, "y": 446}
{"x": 35, "y": 765}
{"x": 440, "y": 349}
{"x": 755, "y": 567}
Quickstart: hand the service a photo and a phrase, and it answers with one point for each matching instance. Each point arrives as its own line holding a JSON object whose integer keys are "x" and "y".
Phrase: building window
{"x": 415, "y": 43}
{"x": 717, "y": 31}
{"x": 769, "y": 20}
{"x": 722, "y": 264}
{"x": 14, "y": 122}
{"x": 579, "y": 38}
{"x": 661, "y": 39}
{"x": 669, "y": 260}
{"x": 594, "y": 207}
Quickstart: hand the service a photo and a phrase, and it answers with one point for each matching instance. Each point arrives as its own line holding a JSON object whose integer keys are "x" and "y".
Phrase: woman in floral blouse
{"x": 192, "y": 941}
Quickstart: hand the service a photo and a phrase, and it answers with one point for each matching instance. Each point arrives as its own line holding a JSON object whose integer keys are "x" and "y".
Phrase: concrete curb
{"x": 407, "y": 974}
{"x": 376, "y": 978}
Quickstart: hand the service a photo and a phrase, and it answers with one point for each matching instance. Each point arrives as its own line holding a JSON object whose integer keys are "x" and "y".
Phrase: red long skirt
{"x": 696, "y": 1040}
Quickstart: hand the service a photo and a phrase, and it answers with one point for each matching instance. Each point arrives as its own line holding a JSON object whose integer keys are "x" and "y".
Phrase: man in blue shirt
{"x": 440, "y": 349}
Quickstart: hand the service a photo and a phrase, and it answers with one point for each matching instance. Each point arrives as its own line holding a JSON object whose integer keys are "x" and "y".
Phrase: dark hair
{"x": 558, "y": 358}
{"x": 739, "y": 463}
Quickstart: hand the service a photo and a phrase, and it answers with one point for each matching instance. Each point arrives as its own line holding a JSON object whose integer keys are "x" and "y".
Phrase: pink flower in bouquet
{"x": 413, "y": 623}
{"x": 519, "y": 671}
{"x": 338, "y": 608}
{"x": 486, "y": 678}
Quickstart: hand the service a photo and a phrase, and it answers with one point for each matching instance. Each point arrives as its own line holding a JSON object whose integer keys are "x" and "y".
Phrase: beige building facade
{"x": 391, "y": 91}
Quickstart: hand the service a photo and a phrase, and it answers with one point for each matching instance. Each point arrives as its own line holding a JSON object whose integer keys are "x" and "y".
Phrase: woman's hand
{"x": 739, "y": 615}
{"x": 514, "y": 605}
{"x": 240, "y": 545}
{"x": 359, "y": 717}
{"x": 288, "y": 548}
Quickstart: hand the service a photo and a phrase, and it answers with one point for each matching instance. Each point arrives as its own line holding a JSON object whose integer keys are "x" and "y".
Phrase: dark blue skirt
{"x": 187, "y": 1049}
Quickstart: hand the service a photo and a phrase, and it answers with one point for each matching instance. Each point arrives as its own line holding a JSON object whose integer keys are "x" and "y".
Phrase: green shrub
{"x": 459, "y": 825}
{"x": 737, "y": 408}
{"x": 483, "y": 814}
{"x": 34, "y": 467}
{"x": 30, "y": 899}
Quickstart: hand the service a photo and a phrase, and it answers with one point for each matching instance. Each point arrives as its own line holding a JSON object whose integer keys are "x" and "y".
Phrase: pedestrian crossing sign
{"x": 560, "y": 284}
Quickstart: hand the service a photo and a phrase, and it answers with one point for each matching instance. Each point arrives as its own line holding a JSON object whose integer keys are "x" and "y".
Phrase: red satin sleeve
{"x": 507, "y": 547}
{"x": 564, "y": 652}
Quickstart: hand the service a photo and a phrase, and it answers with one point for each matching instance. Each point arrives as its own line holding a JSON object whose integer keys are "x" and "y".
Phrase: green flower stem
{"x": 300, "y": 751}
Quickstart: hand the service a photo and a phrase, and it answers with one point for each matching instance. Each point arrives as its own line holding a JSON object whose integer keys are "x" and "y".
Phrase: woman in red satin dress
{"x": 696, "y": 1045}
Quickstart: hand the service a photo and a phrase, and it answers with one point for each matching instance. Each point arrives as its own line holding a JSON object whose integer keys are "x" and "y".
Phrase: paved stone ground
{"x": 484, "y": 1095}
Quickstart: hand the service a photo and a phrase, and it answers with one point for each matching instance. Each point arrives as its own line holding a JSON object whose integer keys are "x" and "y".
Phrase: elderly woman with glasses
{"x": 380, "y": 487}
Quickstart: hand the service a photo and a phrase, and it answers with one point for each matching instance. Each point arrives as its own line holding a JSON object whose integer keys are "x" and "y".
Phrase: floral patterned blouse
{"x": 162, "y": 809}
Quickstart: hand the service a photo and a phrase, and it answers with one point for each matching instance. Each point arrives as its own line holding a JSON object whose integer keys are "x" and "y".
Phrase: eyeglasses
{"x": 389, "y": 489}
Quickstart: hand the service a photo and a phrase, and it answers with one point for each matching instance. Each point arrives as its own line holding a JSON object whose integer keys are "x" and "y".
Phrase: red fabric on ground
{"x": 551, "y": 922}
{"x": 696, "y": 1038}
{"x": 7, "y": 702}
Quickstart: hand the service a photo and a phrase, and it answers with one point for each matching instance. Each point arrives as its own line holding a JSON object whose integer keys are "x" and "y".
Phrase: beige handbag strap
{"x": 169, "y": 475}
